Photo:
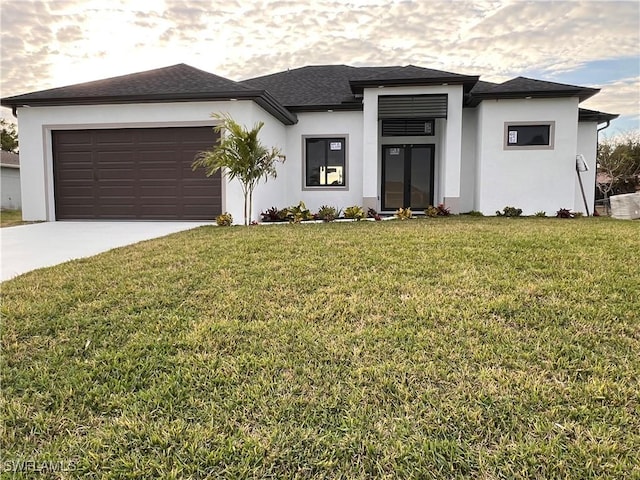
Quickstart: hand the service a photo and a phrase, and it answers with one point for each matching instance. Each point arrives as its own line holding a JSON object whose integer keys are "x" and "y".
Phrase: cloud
{"x": 55, "y": 42}
{"x": 69, "y": 33}
{"x": 621, "y": 96}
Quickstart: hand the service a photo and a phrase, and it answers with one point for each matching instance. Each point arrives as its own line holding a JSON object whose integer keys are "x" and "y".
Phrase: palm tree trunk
{"x": 246, "y": 194}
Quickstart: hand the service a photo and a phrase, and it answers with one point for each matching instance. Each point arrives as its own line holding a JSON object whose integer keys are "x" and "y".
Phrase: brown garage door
{"x": 133, "y": 173}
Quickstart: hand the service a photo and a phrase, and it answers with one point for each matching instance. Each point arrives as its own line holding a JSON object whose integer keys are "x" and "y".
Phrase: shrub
{"x": 509, "y": 212}
{"x": 327, "y": 213}
{"x": 541, "y": 214}
{"x": 431, "y": 211}
{"x": 442, "y": 210}
{"x": 274, "y": 215}
{"x": 224, "y": 220}
{"x": 564, "y": 213}
{"x": 354, "y": 212}
{"x": 299, "y": 213}
{"x": 439, "y": 211}
{"x": 404, "y": 213}
{"x": 373, "y": 213}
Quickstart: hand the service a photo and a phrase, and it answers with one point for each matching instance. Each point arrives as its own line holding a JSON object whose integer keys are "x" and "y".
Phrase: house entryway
{"x": 407, "y": 176}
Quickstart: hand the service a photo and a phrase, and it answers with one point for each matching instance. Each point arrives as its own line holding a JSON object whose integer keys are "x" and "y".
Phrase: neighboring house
{"x": 378, "y": 137}
{"x": 10, "y": 180}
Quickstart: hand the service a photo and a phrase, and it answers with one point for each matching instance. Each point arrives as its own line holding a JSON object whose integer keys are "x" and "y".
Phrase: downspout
{"x": 581, "y": 166}
{"x": 595, "y": 180}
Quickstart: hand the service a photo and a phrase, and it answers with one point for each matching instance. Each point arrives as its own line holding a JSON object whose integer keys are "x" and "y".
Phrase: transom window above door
{"x": 325, "y": 162}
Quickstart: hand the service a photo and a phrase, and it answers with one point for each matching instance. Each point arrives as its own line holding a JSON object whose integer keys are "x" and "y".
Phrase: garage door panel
{"x": 111, "y": 174}
{"x": 115, "y": 191}
{"x": 151, "y": 157}
{"x": 119, "y": 156}
{"x": 74, "y": 139}
{"x": 79, "y": 191}
{"x": 80, "y": 201}
{"x": 196, "y": 213}
{"x": 83, "y": 175}
{"x": 197, "y": 191}
{"x": 164, "y": 173}
{"x": 134, "y": 174}
{"x": 115, "y": 137}
{"x": 158, "y": 190}
{"x": 165, "y": 202}
{"x": 163, "y": 212}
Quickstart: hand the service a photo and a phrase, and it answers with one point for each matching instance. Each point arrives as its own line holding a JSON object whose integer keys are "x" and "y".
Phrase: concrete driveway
{"x": 29, "y": 247}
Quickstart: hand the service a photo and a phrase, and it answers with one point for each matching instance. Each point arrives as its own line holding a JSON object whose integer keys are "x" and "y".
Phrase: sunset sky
{"x": 53, "y": 43}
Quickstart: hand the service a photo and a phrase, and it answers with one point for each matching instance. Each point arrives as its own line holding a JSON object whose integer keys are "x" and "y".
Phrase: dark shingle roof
{"x": 177, "y": 83}
{"x": 338, "y": 86}
{"x": 412, "y": 75}
{"x": 178, "y": 79}
{"x": 317, "y": 85}
{"x": 586, "y": 115}
{"x": 310, "y": 88}
{"x": 412, "y": 72}
{"x": 522, "y": 86}
{"x": 483, "y": 86}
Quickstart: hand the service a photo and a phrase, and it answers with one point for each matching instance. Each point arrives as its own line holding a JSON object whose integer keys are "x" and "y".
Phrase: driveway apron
{"x": 29, "y": 247}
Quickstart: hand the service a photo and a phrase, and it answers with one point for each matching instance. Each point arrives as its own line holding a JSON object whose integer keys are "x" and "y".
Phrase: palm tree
{"x": 240, "y": 155}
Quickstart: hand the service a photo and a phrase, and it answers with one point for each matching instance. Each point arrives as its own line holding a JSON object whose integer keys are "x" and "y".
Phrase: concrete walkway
{"x": 29, "y": 247}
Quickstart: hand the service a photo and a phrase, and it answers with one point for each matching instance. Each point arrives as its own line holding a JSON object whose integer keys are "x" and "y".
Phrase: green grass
{"x": 439, "y": 348}
{"x": 9, "y": 218}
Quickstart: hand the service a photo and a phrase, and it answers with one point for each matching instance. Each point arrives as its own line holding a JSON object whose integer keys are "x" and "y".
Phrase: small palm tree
{"x": 240, "y": 155}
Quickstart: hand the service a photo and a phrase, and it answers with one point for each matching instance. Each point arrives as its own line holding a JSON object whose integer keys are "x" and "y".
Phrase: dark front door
{"x": 407, "y": 176}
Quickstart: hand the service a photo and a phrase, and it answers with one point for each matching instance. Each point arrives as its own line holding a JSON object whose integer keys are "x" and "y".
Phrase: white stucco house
{"x": 10, "y": 180}
{"x": 378, "y": 137}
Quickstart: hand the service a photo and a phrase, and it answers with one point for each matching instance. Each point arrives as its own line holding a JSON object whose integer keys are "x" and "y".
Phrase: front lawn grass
{"x": 436, "y": 348}
{"x": 9, "y": 218}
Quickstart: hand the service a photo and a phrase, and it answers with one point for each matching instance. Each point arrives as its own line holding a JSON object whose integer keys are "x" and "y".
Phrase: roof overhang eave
{"x": 343, "y": 107}
{"x": 261, "y": 97}
{"x": 583, "y": 94}
{"x": 466, "y": 81}
{"x": 585, "y": 115}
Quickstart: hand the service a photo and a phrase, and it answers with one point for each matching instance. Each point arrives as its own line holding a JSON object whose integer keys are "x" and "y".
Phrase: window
{"x": 525, "y": 135}
{"x": 409, "y": 127}
{"x": 325, "y": 162}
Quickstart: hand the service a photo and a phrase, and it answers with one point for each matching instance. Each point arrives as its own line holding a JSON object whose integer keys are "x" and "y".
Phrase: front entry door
{"x": 407, "y": 176}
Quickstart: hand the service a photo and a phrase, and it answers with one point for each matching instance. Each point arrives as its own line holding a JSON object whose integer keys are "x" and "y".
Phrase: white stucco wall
{"x": 325, "y": 124}
{"x": 10, "y": 187}
{"x": 36, "y": 124}
{"x": 468, "y": 159}
{"x": 472, "y": 169}
{"x": 268, "y": 192}
{"x": 587, "y": 146}
{"x": 533, "y": 180}
{"x": 448, "y": 150}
